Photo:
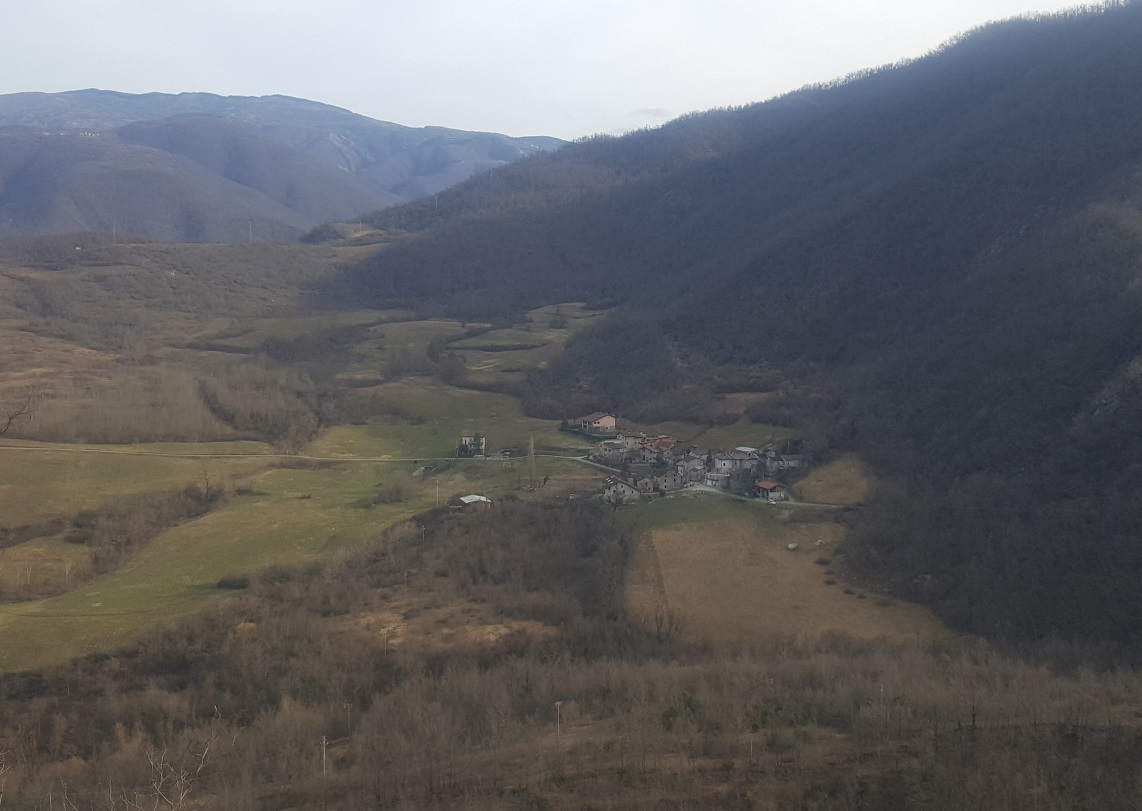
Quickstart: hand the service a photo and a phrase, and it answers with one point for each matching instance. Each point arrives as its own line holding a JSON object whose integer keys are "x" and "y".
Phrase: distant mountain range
{"x": 200, "y": 167}
{"x": 943, "y": 257}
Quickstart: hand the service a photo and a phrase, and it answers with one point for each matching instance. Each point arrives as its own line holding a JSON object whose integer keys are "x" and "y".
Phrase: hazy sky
{"x": 515, "y": 66}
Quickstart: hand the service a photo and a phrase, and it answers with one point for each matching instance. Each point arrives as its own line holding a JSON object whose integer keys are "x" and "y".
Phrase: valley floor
{"x": 284, "y": 613}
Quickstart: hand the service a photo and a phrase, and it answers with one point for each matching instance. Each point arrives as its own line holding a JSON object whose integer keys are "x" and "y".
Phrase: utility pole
{"x": 324, "y": 783}
{"x": 558, "y": 713}
{"x": 531, "y": 461}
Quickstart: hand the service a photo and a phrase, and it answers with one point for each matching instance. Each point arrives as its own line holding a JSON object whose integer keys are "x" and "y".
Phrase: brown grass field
{"x": 721, "y": 572}
{"x": 844, "y": 481}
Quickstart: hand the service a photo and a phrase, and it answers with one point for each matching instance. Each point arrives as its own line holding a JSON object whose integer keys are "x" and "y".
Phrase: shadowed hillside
{"x": 943, "y": 258}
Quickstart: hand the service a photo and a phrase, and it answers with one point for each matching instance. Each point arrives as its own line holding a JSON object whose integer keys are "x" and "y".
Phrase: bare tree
{"x": 23, "y": 413}
{"x": 174, "y": 775}
{"x": 5, "y": 767}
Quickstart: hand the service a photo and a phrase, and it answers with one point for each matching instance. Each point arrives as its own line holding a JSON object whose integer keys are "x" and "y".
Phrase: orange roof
{"x": 766, "y": 484}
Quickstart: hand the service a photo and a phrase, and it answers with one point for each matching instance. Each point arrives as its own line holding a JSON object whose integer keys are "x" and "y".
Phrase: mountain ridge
{"x": 312, "y": 162}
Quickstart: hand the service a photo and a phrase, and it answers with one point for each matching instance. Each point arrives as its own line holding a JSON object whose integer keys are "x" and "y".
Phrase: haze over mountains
{"x": 942, "y": 257}
{"x": 200, "y": 167}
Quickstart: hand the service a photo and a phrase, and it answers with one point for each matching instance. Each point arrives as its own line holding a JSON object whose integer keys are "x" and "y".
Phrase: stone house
{"x": 619, "y": 491}
{"x": 724, "y": 463}
{"x": 611, "y": 452}
{"x": 670, "y": 480}
{"x": 692, "y": 468}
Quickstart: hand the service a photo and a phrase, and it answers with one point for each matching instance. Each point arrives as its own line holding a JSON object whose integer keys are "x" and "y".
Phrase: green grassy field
{"x": 253, "y": 333}
{"x": 297, "y": 514}
{"x": 40, "y": 482}
{"x": 439, "y": 414}
{"x": 501, "y": 356}
{"x": 291, "y": 515}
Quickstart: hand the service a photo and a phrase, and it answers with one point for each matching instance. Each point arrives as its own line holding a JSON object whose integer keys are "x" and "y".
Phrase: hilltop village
{"x": 646, "y": 465}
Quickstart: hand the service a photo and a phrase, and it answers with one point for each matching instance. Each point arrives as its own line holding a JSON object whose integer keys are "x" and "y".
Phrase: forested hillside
{"x": 942, "y": 258}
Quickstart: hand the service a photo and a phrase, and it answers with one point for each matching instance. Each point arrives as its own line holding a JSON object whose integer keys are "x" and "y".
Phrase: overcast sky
{"x": 521, "y": 67}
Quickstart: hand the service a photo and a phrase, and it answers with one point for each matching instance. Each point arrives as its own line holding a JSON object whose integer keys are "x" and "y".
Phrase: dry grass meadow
{"x": 721, "y": 571}
{"x": 844, "y": 481}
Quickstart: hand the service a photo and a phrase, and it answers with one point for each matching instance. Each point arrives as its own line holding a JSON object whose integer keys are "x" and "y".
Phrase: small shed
{"x": 770, "y": 491}
{"x": 472, "y": 502}
{"x": 718, "y": 480}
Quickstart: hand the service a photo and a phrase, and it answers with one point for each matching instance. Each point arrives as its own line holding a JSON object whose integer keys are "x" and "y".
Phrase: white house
{"x": 598, "y": 423}
{"x": 473, "y": 444}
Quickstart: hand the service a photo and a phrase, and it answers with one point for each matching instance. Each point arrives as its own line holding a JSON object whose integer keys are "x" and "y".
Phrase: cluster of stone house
{"x": 675, "y": 467}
